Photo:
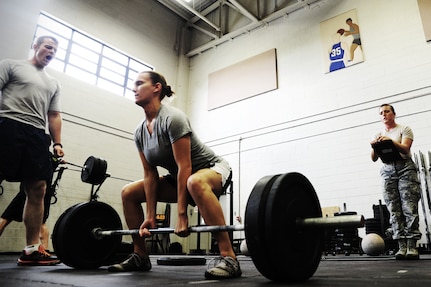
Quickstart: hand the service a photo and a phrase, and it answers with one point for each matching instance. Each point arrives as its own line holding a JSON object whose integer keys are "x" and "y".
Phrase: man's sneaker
{"x": 226, "y": 268}
{"x": 37, "y": 258}
{"x": 133, "y": 263}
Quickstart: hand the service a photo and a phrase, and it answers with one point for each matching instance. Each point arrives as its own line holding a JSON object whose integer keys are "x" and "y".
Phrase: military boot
{"x": 412, "y": 252}
{"x": 402, "y": 245}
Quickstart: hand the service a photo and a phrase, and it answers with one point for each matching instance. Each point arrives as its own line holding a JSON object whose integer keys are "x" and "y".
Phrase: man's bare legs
{"x": 33, "y": 210}
{"x": 3, "y": 223}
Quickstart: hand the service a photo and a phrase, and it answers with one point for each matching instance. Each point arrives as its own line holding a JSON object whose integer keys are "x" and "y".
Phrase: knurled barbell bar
{"x": 316, "y": 222}
{"x": 283, "y": 227}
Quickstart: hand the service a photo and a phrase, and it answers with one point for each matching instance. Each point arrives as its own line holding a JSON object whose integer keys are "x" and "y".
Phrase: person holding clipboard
{"x": 401, "y": 186}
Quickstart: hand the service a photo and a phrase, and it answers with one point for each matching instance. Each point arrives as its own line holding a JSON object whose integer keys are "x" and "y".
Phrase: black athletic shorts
{"x": 24, "y": 152}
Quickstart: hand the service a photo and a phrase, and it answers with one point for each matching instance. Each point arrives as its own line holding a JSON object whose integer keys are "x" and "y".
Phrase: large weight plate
{"x": 94, "y": 170}
{"x": 255, "y": 225}
{"x": 72, "y": 237}
{"x": 294, "y": 252}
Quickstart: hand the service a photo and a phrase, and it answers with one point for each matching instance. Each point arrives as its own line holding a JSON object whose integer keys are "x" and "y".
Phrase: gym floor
{"x": 338, "y": 270}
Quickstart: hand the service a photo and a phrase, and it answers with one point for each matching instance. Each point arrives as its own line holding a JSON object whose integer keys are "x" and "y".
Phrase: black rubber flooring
{"x": 333, "y": 271}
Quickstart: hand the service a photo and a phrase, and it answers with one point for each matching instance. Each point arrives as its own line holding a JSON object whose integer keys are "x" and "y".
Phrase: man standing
{"x": 29, "y": 104}
{"x": 354, "y": 31}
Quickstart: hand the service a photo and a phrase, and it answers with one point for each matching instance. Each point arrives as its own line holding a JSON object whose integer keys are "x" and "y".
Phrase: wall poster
{"x": 341, "y": 41}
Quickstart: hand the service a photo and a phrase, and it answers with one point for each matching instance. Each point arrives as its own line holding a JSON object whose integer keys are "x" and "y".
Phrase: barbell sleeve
{"x": 331, "y": 222}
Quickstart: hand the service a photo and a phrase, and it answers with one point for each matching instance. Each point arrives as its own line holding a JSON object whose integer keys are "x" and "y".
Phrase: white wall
{"x": 315, "y": 123}
{"x": 95, "y": 122}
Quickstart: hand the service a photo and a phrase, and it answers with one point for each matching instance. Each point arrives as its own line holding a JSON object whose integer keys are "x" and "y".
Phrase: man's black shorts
{"x": 24, "y": 152}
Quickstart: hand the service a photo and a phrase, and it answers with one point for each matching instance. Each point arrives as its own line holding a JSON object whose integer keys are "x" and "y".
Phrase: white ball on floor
{"x": 373, "y": 244}
{"x": 243, "y": 248}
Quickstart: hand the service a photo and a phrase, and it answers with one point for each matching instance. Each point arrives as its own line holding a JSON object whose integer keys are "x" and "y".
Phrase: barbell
{"x": 283, "y": 227}
{"x": 93, "y": 171}
{"x": 316, "y": 222}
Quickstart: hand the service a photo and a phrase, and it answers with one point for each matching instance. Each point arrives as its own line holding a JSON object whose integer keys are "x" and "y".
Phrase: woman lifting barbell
{"x": 197, "y": 177}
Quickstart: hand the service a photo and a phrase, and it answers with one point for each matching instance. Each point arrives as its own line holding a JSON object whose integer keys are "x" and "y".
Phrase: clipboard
{"x": 387, "y": 151}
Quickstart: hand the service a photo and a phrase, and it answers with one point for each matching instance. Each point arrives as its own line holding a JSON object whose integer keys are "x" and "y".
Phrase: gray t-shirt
{"x": 398, "y": 134}
{"x": 170, "y": 125}
{"x": 27, "y": 93}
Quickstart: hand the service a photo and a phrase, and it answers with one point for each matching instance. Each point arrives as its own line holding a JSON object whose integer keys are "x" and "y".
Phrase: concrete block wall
{"x": 314, "y": 123}
{"x": 95, "y": 121}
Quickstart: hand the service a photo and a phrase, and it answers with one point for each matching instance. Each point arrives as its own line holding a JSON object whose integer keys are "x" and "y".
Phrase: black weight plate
{"x": 294, "y": 252}
{"x": 346, "y": 230}
{"x": 343, "y": 238}
{"x": 72, "y": 237}
{"x": 346, "y": 233}
{"x": 101, "y": 175}
{"x": 254, "y": 225}
{"x": 87, "y": 169}
{"x": 94, "y": 170}
{"x": 181, "y": 261}
{"x": 57, "y": 244}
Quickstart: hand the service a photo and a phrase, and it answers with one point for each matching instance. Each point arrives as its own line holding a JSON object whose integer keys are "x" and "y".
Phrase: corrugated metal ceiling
{"x": 216, "y": 21}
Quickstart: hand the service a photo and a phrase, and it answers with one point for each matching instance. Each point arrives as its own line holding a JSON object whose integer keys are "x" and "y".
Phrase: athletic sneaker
{"x": 133, "y": 263}
{"x": 226, "y": 268}
{"x": 37, "y": 258}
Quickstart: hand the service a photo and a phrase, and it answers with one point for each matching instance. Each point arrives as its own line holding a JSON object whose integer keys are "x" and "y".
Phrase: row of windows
{"x": 90, "y": 60}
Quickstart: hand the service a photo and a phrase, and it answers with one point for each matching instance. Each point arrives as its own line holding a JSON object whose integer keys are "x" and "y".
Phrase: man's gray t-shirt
{"x": 170, "y": 125}
{"x": 27, "y": 93}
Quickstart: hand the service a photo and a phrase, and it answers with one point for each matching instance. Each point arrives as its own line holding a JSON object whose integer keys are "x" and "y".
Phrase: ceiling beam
{"x": 175, "y": 9}
{"x": 212, "y": 35}
{"x": 245, "y": 29}
{"x": 202, "y": 17}
{"x": 206, "y": 11}
{"x": 243, "y": 11}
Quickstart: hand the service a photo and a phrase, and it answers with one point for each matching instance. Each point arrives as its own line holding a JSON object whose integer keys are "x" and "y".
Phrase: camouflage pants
{"x": 401, "y": 192}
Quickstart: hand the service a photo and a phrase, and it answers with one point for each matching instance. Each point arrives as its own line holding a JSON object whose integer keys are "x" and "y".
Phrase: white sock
{"x": 31, "y": 248}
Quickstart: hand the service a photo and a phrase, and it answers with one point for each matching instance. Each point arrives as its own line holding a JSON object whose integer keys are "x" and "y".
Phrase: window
{"x": 83, "y": 57}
